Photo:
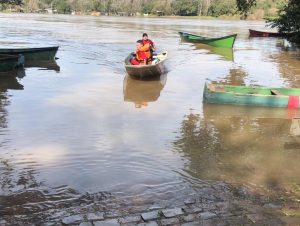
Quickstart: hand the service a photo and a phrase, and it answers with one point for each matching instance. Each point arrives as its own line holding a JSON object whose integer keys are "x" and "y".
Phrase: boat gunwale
{"x": 203, "y": 38}
{"x": 27, "y": 50}
{"x": 144, "y": 66}
{"x": 208, "y": 87}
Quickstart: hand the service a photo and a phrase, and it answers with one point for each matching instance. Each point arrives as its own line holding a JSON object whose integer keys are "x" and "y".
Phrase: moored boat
{"x": 224, "y": 42}
{"x": 252, "y": 96}
{"x": 155, "y": 69}
{"x": 31, "y": 54}
{"x": 255, "y": 33}
{"x": 8, "y": 62}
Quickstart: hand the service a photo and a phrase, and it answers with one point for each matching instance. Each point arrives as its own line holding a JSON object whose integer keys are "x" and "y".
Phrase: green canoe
{"x": 252, "y": 96}
{"x": 8, "y": 62}
{"x": 32, "y": 54}
{"x": 225, "y": 42}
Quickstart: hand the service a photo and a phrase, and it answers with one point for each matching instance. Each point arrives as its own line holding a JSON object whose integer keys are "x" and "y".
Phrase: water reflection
{"x": 44, "y": 65}
{"x": 10, "y": 81}
{"x": 226, "y": 53}
{"x": 141, "y": 92}
{"x": 225, "y": 144}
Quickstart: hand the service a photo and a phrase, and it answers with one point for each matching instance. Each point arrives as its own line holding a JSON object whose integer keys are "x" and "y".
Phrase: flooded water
{"x": 82, "y": 126}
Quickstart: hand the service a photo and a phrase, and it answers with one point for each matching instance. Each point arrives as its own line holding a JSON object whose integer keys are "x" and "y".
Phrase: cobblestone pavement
{"x": 220, "y": 206}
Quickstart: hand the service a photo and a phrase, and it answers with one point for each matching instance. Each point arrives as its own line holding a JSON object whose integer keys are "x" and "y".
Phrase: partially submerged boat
{"x": 155, "y": 69}
{"x": 224, "y": 42}
{"x": 32, "y": 54}
{"x": 252, "y": 96}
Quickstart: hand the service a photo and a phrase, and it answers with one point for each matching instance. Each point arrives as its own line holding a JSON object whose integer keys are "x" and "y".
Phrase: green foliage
{"x": 220, "y": 7}
{"x": 289, "y": 20}
{"x": 11, "y": 2}
{"x": 185, "y": 7}
{"x": 244, "y": 6}
{"x": 62, "y": 6}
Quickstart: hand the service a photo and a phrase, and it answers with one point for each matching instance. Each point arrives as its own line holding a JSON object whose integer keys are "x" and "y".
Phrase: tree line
{"x": 287, "y": 18}
{"x": 134, "y": 7}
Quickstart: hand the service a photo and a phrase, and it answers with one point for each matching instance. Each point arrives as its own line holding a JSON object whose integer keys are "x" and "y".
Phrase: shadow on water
{"x": 141, "y": 92}
{"x": 43, "y": 65}
{"x": 10, "y": 81}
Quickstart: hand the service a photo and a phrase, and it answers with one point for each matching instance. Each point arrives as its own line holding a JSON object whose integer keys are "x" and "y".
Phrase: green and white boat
{"x": 251, "y": 96}
{"x": 224, "y": 42}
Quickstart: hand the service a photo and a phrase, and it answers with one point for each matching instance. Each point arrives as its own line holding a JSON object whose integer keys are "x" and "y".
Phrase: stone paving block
{"x": 170, "y": 222}
{"x": 74, "y": 219}
{"x": 172, "y": 212}
{"x": 192, "y": 224}
{"x": 190, "y": 201}
{"x": 192, "y": 209}
{"x": 86, "y": 224}
{"x": 155, "y": 207}
{"x": 207, "y": 215}
{"x": 95, "y": 216}
{"x": 152, "y": 223}
{"x": 153, "y": 215}
{"x": 190, "y": 217}
{"x": 111, "y": 222}
{"x": 130, "y": 219}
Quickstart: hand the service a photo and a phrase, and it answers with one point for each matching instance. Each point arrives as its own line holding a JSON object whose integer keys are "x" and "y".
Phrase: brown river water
{"x": 82, "y": 127}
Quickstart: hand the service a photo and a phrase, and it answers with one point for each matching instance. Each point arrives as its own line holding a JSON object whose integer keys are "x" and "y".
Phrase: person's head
{"x": 139, "y": 43}
{"x": 145, "y": 36}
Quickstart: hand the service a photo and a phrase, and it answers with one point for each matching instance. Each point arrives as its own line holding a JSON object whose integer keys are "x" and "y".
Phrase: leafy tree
{"x": 220, "y": 7}
{"x": 244, "y": 6}
{"x": 289, "y": 20}
{"x": 185, "y": 7}
{"x": 11, "y": 2}
{"x": 62, "y": 6}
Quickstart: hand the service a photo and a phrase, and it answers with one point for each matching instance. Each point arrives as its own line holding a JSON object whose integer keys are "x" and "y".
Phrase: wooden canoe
{"x": 156, "y": 69}
{"x": 255, "y": 33}
{"x": 224, "y": 42}
{"x": 252, "y": 96}
{"x": 32, "y": 54}
{"x": 8, "y": 62}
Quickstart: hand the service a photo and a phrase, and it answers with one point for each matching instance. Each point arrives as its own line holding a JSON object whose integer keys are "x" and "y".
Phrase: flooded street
{"x": 80, "y": 130}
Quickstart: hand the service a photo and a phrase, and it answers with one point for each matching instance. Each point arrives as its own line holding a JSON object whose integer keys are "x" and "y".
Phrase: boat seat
{"x": 275, "y": 92}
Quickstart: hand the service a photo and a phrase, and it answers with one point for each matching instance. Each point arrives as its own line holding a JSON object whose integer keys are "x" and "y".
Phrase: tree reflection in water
{"x": 240, "y": 149}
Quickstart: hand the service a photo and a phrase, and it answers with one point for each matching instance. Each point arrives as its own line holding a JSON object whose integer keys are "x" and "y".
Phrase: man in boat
{"x": 146, "y": 40}
{"x": 142, "y": 54}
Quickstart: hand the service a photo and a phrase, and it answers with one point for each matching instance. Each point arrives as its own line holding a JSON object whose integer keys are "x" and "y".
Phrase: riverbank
{"x": 216, "y": 203}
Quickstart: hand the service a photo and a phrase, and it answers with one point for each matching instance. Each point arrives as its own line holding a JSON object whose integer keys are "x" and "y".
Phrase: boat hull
{"x": 254, "y": 33}
{"x": 8, "y": 62}
{"x": 251, "y": 96}
{"x": 32, "y": 54}
{"x": 145, "y": 71}
{"x": 224, "y": 42}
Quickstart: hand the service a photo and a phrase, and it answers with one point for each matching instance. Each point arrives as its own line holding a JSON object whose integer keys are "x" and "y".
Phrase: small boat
{"x": 31, "y": 54}
{"x": 255, "y": 33}
{"x": 252, "y": 96}
{"x": 8, "y": 62}
{"x": 155, "y": 69}
{"x": 225, "y": 42}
